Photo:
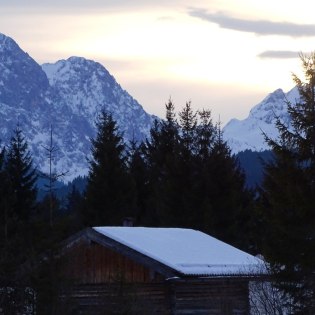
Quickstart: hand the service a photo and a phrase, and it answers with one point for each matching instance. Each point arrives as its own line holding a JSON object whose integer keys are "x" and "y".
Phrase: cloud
{"x": 258, "y": 27}
{"x": 61, "y": 6}
{"x": 279, "y": 54}
{"x": 79, "y": 6}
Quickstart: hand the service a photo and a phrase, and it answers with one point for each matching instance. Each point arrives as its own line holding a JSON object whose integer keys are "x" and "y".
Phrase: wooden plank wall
{"x": 218, "y": 297}
{"x": 93, "y": 263}
{"x": 211, "y": 297}
{"x": 114, "y": 298}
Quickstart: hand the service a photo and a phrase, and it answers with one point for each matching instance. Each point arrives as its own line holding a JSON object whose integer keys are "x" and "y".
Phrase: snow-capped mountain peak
{"x": 272, "y": 105}
{"x": 248, "y": 133}
{"x": 67, "y": 95}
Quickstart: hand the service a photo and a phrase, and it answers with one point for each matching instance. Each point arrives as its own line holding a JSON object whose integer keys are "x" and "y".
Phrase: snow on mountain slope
{"x": 248, "y": 133}
{"x": 87, "y": 87}
{"x": 67, "y": 96}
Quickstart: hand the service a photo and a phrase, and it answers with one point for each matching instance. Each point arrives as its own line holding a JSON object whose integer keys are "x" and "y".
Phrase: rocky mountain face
{"x": 67, "y": 97}
{"x": 247, "y": 134}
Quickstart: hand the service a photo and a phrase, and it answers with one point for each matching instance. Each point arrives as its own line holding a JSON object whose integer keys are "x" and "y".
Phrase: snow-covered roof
{"x": 187, "y": 251}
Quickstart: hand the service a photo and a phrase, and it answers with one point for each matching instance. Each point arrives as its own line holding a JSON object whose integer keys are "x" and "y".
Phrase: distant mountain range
{"x": 67, "y": 95}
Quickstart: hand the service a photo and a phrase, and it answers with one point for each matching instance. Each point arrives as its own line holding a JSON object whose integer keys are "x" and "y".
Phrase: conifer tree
{"x": 22, "y": 176}
{"x": 4, "y": 205}
{"x": 205, "y": 135}
{"x": 288, "y": 190}
{"x": 108, "y": 193}
{"x": 188, "y": 124}
{"x": 74, "y": 201}
{"x": 187, "y": 176}
{"x": 162, "y": 156}
{"x": 52, "y": 177}
{"x": 231, "y": 202}
{"x": 138, "y": 171}
{"x": 18, "y": 201}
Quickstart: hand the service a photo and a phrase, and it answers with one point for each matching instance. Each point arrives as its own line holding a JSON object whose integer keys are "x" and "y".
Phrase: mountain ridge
{"x": 66, "y": 96}
{"x": 248, "y": 134}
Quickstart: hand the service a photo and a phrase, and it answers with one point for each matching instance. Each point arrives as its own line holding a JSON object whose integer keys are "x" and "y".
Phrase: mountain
{"x": 67, "y": 97}
{"x": 247, "y": 134}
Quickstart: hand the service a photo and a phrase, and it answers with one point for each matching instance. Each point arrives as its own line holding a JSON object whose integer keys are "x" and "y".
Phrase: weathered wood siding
{"x": 91, "y": 263}
{"x": 211, "y": 297}
{"x": 115, "y": 298}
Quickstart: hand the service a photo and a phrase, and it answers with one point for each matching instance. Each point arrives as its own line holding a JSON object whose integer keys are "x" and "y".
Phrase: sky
{"x": 222, "y": 55}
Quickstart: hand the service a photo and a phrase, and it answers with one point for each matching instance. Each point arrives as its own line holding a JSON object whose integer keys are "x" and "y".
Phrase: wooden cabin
{"x": 136, "y": 270}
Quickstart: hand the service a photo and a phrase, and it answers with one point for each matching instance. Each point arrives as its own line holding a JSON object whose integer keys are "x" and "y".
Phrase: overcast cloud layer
{"x": 279, "y": 54}
{"x": 83, "y": 5}
{"x": 258, "y": 27}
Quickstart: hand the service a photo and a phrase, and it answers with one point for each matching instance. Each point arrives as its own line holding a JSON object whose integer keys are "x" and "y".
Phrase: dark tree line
{"x": 184, "y": 175}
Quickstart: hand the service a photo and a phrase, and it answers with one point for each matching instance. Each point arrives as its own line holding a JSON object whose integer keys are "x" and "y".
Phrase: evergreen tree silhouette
{"x": 109, "y": 188}
{"x": 288, "y": 190}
